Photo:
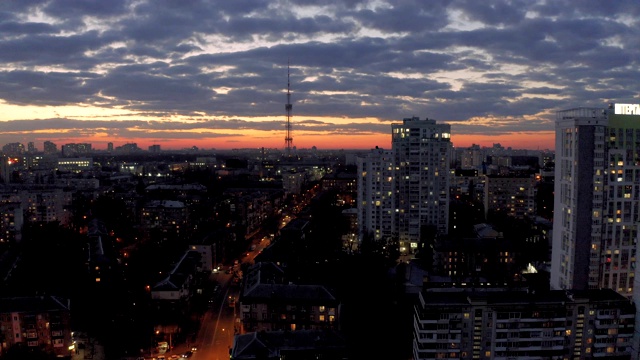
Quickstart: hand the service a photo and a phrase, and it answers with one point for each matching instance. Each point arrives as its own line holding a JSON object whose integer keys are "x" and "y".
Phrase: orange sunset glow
{"x": 203, "y": 138}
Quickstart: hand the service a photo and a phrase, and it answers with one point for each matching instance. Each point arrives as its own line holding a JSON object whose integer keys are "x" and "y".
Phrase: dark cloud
{"x": 509, "y": 61}
{"x": 81, "y": 8}
{"x": 493, "y": 13}
{"x": 50, "y": 88}
{"x": 9, "y": 28}
{"x": 405, "y": 16}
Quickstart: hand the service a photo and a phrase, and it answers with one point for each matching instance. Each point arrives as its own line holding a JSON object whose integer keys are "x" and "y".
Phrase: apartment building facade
{"x": 164, "y": 219}
{"x": 422, "y": 152}
{"x": 11, "y": 222}
{"x": 36, "y": 322}
{"x": 597, "y": 198}
{"x": 517, "y": 324}
{"x": 269, "y": 303}
{"x": 376, "y": 186}
{"x": 514, "y": 195}
{"x": 402, "y": 190}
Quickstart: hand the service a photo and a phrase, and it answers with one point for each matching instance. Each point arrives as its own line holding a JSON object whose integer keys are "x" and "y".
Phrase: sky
{"x": 214, "y": 74}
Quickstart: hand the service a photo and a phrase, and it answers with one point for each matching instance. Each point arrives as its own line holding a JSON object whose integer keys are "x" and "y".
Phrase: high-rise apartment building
{"x": 74, "y": 149}
{"x": 404, "y": 190}
{"x": 13, "y": 149}
{"x": 597, "y": 198}
{"x": 472, "y": 157}
{"x": 376, "y": 208}
{"x": 50, "y": 148}
{"x": 422, "y": 151}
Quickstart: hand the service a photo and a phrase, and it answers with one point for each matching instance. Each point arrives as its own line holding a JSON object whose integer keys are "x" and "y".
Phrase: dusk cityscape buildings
{"x": 460, "y": 180}
{"x": 489, "y": 253}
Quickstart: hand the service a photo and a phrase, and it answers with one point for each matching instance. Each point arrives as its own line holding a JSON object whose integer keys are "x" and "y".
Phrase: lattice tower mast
{"x": 288, "y": 107}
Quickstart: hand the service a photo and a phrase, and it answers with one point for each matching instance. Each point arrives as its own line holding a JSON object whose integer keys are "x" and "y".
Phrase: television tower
{"x": 288, "y": 139}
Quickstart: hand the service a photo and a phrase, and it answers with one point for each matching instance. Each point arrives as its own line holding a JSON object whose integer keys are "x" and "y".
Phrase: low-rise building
{"x": 163, "y": 220}
{"x": 290, "y": 345}
{"x": 516, "y": 324}
{"x": 75, "y": 164}
{"x": 35, "y": 322}
{"x": 176, "y": 286}
{"x": 515, "y": 195}
{"x": 11, "y": 222}
{"x": 269, "y": 305}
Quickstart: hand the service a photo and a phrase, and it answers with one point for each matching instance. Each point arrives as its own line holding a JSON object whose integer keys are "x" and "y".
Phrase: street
{"x": 220, "y": 323}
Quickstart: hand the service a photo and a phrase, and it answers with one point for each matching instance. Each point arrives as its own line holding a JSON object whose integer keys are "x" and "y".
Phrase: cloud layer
{"x": 169, "y": 69}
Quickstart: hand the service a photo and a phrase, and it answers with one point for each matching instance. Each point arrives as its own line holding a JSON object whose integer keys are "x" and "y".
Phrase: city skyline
{"x": 214, "y": 75}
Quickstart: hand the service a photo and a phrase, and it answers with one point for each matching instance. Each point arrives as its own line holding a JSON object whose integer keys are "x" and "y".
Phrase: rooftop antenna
{"x": 288, "y": 139}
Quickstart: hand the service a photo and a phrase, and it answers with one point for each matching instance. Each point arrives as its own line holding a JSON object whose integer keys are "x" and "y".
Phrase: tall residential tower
{"x": 376, "y": 208}
{"x": 422, "y": 150}
{"x": 405, "y": 190}
{"x": 597, "y": 195}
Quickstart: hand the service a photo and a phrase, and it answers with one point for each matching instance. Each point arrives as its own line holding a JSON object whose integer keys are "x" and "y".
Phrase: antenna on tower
{"x": 288, "y": 139}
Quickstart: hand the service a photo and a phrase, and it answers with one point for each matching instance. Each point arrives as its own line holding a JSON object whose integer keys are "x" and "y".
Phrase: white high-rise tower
{"x": 597, "y": 198}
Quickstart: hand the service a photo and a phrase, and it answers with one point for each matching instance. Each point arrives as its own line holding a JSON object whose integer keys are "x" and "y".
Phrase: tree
{"x": 428, "y": 240}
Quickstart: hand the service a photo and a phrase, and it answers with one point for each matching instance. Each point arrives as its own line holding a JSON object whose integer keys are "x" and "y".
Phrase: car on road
{"x": 194, "y": 348}
{"x": 187, "y": 354}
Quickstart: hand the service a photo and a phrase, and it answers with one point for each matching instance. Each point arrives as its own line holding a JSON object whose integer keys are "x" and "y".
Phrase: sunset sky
{"x": 213, "y": 74}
